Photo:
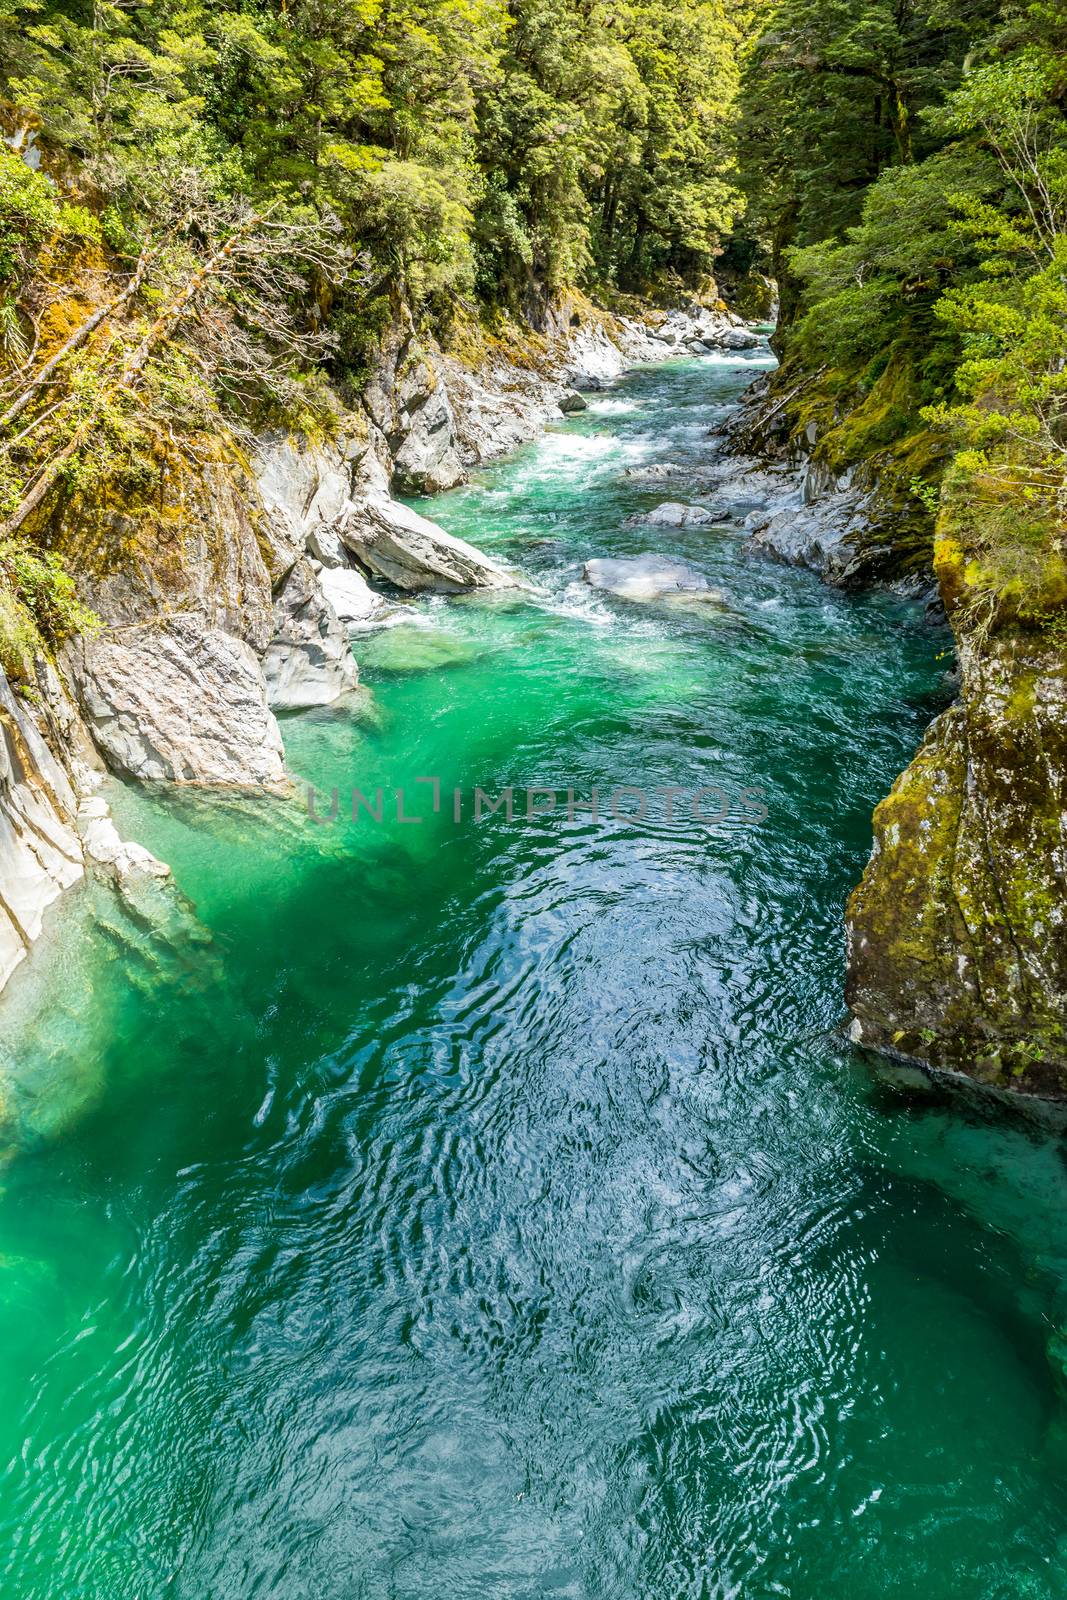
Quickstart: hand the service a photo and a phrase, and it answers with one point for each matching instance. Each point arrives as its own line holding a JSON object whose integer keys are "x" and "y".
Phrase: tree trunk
{"x": 782, "y": 238}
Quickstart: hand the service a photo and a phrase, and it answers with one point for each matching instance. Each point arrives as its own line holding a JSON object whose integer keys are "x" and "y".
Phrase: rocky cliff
{"x": 957, "y": 935}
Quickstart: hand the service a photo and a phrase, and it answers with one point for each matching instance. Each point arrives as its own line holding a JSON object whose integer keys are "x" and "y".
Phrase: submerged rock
{"x": 104, "y": 844}
{"x": 393, "y": 542}
{"x": 650, "y": 577}
{"x": 413, "y": 649}
{"x": 180, "y": 701}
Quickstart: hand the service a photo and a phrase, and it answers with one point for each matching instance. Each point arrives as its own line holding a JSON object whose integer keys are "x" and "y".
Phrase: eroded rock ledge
{"x": 53, "y": 827}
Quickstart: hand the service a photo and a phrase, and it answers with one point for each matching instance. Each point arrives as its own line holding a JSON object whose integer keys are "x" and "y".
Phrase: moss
{"x": 61, "y": 319}
{"x": 754, "y": 297}
{"x": 868, "y": 424}
{"x": 20, "y": 640}
{"x": 1000, "y": 564}
{"x": 958, "y": 954}
{"x": 475, "y": 341}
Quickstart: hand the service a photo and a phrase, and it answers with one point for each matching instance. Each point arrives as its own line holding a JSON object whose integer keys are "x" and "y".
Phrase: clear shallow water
{"x": 489, "y": 1210}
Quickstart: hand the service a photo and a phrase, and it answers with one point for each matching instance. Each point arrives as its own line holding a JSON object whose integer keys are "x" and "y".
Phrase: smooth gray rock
{"x": 650, "y": 577}
{"x": 392, "y": 542}
{"x": 40, "y": 852}
{"x": 674, "y": 514}
{"x": 352, "y": 598}
{"x": 303, "y": 489}
{"x": 180, "y": 701}
{"x": 738, "y": 339}
{"x": 573, "y": 402}
{"x": 308, "y": 662}
{"x": 425, "y": 454}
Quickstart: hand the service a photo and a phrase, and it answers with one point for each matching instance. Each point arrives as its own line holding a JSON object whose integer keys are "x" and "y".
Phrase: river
{"x": 491, "y": 1208}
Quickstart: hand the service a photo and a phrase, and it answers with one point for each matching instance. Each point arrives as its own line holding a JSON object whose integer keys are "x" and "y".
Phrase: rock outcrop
{"x": 103, "y": 843}
{"x": 407, "y": 400}
{"x": 309, "y": 661}
{"x": 394, "y": 543}
{"x": 791, "y": 510}
{"x": 304, "y": 487}
{"x": 213, "y": 614}
{"x": 52, "y": 824}
{"x": 180, "y": 701}
{"x": 701, "y": 329}
{"x": 650, "y": 577}
{"x": 676, "y": 514}
{"x": 845, "y": 480}
{"x": 957, "y": 935}
{"x": 40, "y": 851}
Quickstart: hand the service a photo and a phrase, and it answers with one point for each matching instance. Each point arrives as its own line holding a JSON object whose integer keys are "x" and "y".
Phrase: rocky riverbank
{"x": 237, "y": 593}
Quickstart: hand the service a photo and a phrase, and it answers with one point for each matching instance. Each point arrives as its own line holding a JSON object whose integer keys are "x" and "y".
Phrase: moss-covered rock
{"x": 958, "y": 932}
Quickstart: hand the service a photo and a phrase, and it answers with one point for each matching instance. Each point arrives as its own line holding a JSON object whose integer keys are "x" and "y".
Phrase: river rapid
{"x": 490, "y": 1208}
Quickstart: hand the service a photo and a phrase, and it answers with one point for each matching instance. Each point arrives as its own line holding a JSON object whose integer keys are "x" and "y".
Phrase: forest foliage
{"x": 215, "y": 209}
{"x": 906, "y": 164}
{"x": 211, "y": 209}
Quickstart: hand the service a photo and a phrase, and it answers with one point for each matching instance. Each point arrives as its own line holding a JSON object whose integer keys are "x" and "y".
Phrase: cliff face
{"x": 957, "y": 934}
{"x": 40, "y": 851}
{"x": 213, "y": 620}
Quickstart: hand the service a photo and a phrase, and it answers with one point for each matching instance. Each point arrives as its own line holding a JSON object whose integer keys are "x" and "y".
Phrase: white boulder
{"x": 650, "y": 577}
{"x": 392, "y": 542}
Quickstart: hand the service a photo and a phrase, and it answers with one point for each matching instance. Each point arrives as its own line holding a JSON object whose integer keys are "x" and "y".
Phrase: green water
{"x": 490, "y": 1209}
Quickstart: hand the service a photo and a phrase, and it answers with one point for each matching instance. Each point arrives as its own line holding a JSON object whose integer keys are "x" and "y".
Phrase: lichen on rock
{"x": 957, "y": 934}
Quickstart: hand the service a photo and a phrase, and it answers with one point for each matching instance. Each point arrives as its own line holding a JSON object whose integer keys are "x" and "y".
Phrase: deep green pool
{"x": 489, "y": 1210}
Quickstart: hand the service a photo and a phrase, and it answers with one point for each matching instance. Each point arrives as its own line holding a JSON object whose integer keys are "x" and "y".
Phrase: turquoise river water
{"x": 491, "y": 1209}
